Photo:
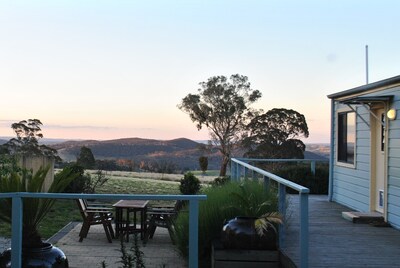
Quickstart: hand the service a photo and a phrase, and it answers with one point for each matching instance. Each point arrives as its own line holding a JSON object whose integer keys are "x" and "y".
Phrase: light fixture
{"x": 391, "y": 114}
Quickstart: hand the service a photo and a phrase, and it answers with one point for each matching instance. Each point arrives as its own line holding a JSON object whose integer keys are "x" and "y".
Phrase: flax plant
{"x": 34, "y": 209}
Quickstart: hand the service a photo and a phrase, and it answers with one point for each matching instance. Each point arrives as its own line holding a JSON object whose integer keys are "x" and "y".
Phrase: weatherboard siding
{"x": 393, "y": 195}
{"x": 351, "y": 185}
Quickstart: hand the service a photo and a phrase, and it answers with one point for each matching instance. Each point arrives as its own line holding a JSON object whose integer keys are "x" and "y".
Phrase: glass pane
{"x": 351, "y": 136}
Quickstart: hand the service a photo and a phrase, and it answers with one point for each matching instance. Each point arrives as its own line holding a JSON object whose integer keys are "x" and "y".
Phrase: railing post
{"x": 303, "y": 230}
{"x": 16, "y": 232}
{"x": 232, "y": 170}
{"x": 266, "y": 183}
{"x": 282, "y": 211}
{"x": 193, "y": 233}
{"x": 313, "y": 167}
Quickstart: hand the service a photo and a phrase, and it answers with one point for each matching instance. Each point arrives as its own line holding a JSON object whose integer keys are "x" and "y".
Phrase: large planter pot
{"x": 46, "y": 256}
{"x": 240, "y": 233}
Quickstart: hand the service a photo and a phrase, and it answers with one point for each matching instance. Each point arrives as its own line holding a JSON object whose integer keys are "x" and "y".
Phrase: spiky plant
{"x": 34, "y": 209}
{"x": 250, "y": 202}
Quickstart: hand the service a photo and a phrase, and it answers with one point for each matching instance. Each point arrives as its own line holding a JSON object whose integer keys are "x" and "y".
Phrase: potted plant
{"x": 35, "y": 252}
{"x": 255, "y": 226}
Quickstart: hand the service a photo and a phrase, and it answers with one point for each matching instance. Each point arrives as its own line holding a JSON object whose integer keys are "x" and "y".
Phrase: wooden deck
{"x": 336, "y": 242}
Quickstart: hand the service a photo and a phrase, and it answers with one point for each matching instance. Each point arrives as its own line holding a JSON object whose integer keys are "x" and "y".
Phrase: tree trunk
{"x": 224, "y": 165}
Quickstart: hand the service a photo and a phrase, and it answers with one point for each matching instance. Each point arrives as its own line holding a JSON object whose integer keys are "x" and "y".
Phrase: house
{"x": 365, "y": 149}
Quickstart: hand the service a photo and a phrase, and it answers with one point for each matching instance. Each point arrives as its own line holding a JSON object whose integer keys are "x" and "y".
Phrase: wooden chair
{"x": 94, "y": 215}
{"x": 161, "y": 217}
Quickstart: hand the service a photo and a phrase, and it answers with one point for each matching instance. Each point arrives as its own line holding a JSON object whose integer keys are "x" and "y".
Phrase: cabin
{"x": 365, "y": 149}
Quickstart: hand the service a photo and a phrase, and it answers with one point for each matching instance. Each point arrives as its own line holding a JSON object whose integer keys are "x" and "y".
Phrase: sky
{"x": 116, "y": 69}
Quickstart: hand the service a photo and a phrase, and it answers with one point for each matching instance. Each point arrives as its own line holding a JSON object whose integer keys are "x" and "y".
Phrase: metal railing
{"x": 16, "y": 229}
{"x": 313, "y": 162}
{"x": 239, "y": 165}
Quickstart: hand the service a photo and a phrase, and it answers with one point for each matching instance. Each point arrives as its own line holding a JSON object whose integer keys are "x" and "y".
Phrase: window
{"x": 346, "y": 137}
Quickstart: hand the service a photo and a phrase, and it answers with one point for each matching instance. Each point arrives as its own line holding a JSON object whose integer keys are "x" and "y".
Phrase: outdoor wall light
{"x": 391, "y": 114}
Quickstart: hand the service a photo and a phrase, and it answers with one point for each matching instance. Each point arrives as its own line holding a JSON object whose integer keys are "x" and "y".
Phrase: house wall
{"x": 393, "y": 195}
{"x": 351, "y": 185}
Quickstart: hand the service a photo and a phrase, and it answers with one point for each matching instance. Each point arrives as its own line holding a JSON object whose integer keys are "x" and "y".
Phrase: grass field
{"x": 65, "y": 211}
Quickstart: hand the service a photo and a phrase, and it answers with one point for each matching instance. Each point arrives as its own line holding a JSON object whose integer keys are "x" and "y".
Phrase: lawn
{"x": 65, "y": 211}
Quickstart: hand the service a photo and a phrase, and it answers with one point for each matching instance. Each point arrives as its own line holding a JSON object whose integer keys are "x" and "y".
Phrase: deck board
{"x": 336, "y": 242}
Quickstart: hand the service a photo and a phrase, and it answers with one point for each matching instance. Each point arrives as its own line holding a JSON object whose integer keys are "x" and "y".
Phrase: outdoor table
{"x": 128, "y": 225}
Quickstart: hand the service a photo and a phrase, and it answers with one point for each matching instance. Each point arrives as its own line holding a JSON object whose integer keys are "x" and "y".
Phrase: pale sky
{"x": 115, "y": 69}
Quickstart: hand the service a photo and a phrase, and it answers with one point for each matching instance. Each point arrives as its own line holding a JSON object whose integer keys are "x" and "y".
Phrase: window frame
{"x": 340, "y": 145}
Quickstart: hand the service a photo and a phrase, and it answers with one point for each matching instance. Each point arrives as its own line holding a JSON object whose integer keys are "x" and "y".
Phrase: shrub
{"x": 190, "y": 184}
{"x": 220, "y": 180}
{"x": 301, "y": 174}
{"x": 85, "y": 183}
{"x": 203, "y": 162}
{"x": 215, "y": 211}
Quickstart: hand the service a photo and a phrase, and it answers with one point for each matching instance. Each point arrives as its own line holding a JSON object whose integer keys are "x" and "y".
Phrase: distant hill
{"x": 182, "y": 152}
{"x": 317, "y": 151}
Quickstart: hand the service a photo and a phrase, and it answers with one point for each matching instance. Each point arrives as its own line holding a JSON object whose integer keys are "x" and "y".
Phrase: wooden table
{"x": 128, "y": 225}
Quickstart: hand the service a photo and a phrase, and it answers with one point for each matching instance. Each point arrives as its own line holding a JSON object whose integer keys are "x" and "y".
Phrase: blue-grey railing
{"x": 239, "y": 165}
{"x": 16, "y": 229}
{"x": 312, "y": 162}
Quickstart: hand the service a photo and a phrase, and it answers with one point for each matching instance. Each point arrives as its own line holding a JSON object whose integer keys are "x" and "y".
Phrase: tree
{"x": 222, "y": 106}
{"x": 27, "y": 142}
{"x": 203, "y": 162}
{"x": 275, "y": 134}
{"x": 86, "y": 158}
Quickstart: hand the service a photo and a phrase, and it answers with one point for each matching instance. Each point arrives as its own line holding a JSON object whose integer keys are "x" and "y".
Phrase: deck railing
{"x": 239, "y": 166}
{"x": 16, "y": 229}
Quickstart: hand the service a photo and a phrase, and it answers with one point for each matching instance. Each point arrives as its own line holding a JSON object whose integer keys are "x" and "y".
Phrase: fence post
{"x": 303, "y": 230}
{"x": 282, "y": 211}
{"x": 193, "y": 233}
{"x": 16, "y": 232}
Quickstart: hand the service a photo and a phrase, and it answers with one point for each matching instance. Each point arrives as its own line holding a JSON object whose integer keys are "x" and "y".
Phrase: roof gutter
{"x": 390, "y": 82}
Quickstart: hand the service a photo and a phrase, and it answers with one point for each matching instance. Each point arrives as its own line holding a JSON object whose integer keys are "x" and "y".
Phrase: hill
{"x": 182, "y": 152}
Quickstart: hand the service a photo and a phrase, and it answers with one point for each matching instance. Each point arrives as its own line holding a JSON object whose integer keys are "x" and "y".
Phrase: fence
{"x": 239, "y": 165}
{"x": 16, "y": 238}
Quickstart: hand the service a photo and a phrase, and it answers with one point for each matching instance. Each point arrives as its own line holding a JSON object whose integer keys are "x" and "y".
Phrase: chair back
{"x": 82, "y": 204}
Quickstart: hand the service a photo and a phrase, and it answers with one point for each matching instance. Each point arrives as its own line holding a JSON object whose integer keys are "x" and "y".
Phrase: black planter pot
{"x": 46, "y": 256}
{"x": 240, "y": 233}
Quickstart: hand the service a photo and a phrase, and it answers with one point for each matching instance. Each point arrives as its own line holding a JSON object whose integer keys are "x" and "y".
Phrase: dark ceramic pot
{"x": 47, "y": 256}
{"x": 240, "y": 233}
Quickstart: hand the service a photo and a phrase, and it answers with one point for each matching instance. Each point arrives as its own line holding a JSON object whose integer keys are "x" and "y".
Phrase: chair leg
{"x": 107, "y": 232}
{"x": 84, "y": 230}
{"x": 111, "y": 230}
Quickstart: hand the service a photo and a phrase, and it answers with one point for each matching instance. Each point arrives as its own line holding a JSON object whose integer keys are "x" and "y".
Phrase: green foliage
{"x": 8, "y": 164}
{"x": 190, "y": 184}
{"x": 218, "y": 208}
{"x": 203, "y": 162}
{"x": 86, "y": 182}
{"x": 27, "y": 142}
{"x": 220, "y": 180}
{"x": 222, "y": 106}
{"x": 275, "y": 134}
{"x": 132, "y": 259}
{"x": 34, "y": 209}
{"x": 86, "y": 158}
{"x": 301, "y": 174}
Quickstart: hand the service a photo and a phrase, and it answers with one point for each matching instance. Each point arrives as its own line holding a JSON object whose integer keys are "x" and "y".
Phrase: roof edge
{"x": 374, "y": 85}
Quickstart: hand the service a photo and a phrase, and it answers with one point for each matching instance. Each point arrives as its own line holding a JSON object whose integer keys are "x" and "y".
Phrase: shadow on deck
{"x": 336, "y": 242}
{"x": 159, "y": 251}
